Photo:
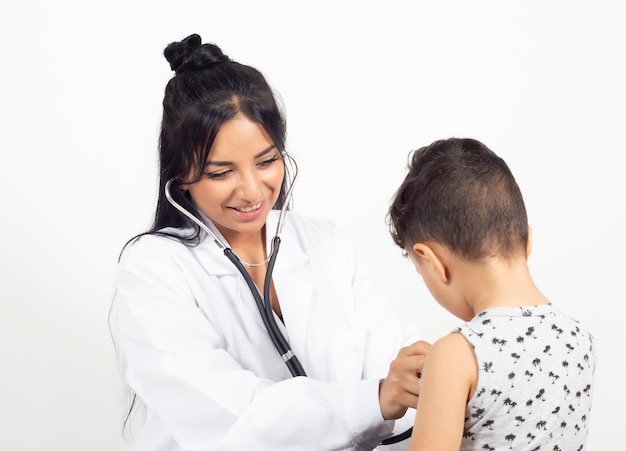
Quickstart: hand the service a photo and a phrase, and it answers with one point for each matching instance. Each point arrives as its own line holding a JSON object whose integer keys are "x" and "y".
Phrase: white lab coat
{"x": 200, "y": 359}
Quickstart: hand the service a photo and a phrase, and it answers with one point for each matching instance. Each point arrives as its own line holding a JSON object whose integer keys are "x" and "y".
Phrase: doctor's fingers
{"x": 397, "y": 392}
{"x": 404, "y": 373}
{"x": 411, "y": 358}
{"x": 419, "y": 348}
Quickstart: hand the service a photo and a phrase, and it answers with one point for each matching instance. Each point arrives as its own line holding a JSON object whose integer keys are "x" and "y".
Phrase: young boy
{"x": 518, "y": 373}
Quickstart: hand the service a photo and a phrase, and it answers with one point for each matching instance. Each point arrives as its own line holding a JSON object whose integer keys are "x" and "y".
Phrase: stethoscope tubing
{"x": 265, "y": 308}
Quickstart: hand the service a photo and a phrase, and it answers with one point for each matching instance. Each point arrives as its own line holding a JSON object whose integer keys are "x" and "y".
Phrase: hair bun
{"x": 190, "y": 54}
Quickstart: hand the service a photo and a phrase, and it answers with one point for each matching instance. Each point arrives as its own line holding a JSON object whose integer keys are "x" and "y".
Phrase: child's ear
{"x": 529, "y": 243}
{"x": 434, "y": 262}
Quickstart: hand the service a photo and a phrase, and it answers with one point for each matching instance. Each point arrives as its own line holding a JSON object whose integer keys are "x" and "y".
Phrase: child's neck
{"x": 498, "y": 283}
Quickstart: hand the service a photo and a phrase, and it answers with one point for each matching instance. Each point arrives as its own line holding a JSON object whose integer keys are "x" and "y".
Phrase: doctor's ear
{"x": 176, "y": 183}
{"x": 182, "y": 183}
{"x": 431, "y": 261}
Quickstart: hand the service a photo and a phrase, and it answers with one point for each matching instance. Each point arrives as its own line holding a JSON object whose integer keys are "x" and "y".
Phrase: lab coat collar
{"x": 216, "y": 263}
{"x": 290, "y": 253}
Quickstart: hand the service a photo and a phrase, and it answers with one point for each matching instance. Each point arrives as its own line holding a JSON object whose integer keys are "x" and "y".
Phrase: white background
{"x": 542, "y": 83}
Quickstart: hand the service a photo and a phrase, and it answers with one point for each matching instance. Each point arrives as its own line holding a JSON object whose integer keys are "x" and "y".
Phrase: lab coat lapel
{"x": 215, "y": 263}
{"x": 292, "y": 283}
{"x": 210, "y": 254}
{"x": 213, "y": 260}
{"x": 291, "y": 277}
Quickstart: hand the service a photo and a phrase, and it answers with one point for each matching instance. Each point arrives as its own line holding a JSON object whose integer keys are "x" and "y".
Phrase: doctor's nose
{"x": 250, "y": 187}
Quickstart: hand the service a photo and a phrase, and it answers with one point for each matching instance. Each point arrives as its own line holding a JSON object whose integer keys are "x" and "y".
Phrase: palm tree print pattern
{"x": 535, "y": 380}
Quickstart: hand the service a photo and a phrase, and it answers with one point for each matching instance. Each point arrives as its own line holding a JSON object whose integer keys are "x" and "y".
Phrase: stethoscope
{"x": 265, "y": 308}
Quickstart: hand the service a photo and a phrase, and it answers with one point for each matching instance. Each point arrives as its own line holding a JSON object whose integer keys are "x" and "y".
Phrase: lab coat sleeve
{"x": 177, "y": 366}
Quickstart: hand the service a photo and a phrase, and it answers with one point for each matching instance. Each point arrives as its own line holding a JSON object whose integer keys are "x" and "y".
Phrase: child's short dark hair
{"x": 460, "y": 194}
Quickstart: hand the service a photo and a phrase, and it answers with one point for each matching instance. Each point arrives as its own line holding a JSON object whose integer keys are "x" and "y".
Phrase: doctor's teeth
{"x": 250, "y": 208}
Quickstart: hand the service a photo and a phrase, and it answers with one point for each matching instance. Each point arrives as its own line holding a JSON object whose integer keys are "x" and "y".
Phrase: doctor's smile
{"x": 250, "y": 213}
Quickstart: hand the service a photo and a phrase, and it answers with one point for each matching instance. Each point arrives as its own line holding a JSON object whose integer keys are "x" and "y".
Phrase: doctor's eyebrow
{"x": 228, "y": 163}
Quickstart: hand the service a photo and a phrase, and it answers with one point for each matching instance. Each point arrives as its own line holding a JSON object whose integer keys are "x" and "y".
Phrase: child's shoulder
{"x": 450, "y": 355}
{"x": 453, "y": 347}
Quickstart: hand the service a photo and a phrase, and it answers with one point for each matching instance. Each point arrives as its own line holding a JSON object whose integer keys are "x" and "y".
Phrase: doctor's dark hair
{"x": 460, "y": 194}
{"x": 207, "y": 90}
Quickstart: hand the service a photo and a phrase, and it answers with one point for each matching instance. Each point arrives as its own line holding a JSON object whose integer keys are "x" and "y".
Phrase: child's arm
{"x": 448, "y": 381}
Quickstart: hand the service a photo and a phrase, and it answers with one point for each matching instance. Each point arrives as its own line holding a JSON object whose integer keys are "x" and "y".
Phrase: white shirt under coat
{"x": 200, "y": 359}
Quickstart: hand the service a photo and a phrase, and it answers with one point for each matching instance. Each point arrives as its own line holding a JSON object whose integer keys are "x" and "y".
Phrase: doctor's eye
{"x": 217, "y": 174}
{"x": 269, "y": 161}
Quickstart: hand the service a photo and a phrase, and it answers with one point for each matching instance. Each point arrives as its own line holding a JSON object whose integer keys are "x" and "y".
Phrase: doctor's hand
{"x": 400, "y": 389}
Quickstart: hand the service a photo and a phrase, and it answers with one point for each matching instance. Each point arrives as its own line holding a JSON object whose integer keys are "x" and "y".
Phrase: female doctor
{"x": 198, "y": 350}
